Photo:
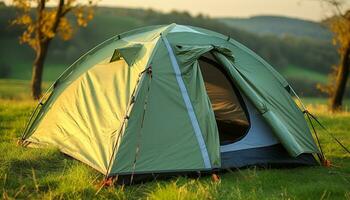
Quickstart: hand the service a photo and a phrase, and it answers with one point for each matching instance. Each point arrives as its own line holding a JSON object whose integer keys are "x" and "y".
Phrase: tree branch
{"x": 58, "y": 16}
{"x": 337, "y": 4}
{"x": 40, "y": 9}
{"x": 66, "y": 10}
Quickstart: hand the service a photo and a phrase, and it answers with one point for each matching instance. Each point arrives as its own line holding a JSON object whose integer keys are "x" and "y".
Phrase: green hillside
{"x": 304, "y": 53}
{"x": 280, "y": 26}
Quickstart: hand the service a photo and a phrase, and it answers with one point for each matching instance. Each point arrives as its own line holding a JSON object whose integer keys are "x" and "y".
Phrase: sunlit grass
{"x": 17, "y": 89}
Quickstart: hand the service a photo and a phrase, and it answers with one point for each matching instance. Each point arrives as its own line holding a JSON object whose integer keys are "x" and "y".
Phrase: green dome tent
{"x": 172, "y": 98}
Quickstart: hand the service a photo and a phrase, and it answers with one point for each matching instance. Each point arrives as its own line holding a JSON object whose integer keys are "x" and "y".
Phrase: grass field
{"x": 302, "y": 74}
{"x": 48, "y": 174}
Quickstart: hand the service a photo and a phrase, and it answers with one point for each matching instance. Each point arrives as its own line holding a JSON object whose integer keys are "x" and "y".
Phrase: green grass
{"x": 17, "y": 89}
{"x": 27, "y": 173}
{"x": 317, "y": 100}
{"x": 304, "y": 74}
{"x": 23, "y": 70}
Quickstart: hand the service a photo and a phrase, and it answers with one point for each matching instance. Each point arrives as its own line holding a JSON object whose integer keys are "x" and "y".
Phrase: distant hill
{"x": 280, "y": 26}
{"x": 292, "y": 56}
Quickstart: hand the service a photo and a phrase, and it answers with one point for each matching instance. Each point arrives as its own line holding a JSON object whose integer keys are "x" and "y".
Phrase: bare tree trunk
{"x": 38, "y": 65}
{"x": 342, "y": 77}
{"x": 38, "y": 68}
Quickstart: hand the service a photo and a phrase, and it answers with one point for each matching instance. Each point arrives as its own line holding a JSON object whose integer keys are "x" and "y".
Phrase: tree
{"x": 341, "y": 29}
{"x": 48, "y": 21}
{"x": 339, "y": 24}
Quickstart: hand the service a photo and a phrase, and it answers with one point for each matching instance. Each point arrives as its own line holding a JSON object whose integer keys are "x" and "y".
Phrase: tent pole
{"x": 295, "y": 94}
{"x": 149, "y": 72}
{"x": 132, "y": 101}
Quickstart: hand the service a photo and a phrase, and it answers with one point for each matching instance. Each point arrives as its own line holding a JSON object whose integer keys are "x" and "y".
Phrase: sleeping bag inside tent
{"x": 172, "y": 99}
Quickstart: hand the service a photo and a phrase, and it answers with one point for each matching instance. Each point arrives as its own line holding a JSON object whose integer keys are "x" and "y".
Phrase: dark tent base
{"x": 143, "y": 178}
{"x": 271, "y": 156}
{"x": 265, "y": 157}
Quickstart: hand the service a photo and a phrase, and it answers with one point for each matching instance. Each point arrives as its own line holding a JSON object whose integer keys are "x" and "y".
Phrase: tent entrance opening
{"x": 227, "y": 103}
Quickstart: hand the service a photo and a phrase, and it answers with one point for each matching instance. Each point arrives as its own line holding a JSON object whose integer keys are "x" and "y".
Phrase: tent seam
{"x": 190, "y": 110}
{"x": 137, "y": 89}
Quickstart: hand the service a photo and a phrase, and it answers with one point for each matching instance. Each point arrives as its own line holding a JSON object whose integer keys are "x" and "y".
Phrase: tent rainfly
{"x": 172, "y": 99}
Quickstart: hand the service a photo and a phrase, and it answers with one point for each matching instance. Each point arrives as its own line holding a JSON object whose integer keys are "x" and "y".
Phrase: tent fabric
{"x": 130, "y": 54}
{"x": 259, "y": 133}
{"x": 83, "y": 130}
{"x": 228, "y": 108}
{"x": 80, "y": 102}
{"x": 188, "y": 103}
{"x": 265, "y": 91}
{"x": 101, "y": 54}
{"x": 277, "y": 107}
{"x": 165, "y": 101}
{"x": 264, "y": 87}
{"x": 138, "y": 103}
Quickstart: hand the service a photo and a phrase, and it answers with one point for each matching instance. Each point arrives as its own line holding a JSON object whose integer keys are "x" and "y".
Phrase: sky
{"x": 304, "y": 9}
